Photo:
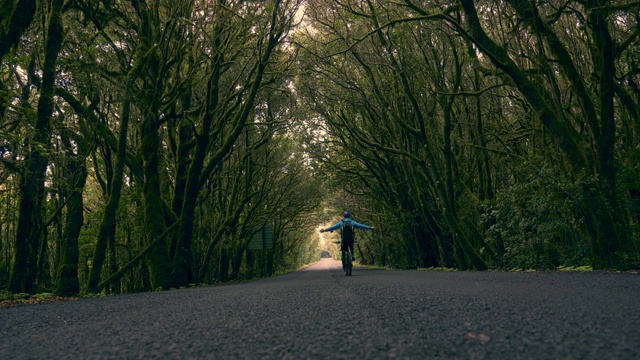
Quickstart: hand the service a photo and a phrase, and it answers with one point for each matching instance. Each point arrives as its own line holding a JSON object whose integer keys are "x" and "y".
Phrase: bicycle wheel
{"x": 349, "y": 263}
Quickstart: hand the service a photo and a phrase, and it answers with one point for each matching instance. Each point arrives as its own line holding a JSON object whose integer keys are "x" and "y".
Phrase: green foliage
{"x": 629, "y": 192}
{"x": 575, "y": 268}
{"x": 4, "y": 274}
{"x": 43, "y": 296}
{"x": 535, "y": 223}
{"x": 444, "y": 269}
{"x": 16, "y": 296}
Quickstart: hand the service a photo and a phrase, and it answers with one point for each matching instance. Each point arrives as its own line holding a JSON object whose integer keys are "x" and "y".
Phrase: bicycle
{"x": 347, "y": 260}
{"x": 347, "y": 233}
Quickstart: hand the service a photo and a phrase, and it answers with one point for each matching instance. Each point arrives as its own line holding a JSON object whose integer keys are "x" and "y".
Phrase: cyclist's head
{"x": 346, "y": 214}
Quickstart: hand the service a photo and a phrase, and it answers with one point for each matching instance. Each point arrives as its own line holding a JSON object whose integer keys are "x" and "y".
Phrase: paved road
{"x": 319, "y": 313}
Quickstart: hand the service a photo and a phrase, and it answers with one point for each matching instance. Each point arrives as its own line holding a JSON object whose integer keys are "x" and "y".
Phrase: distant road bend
{"x": 319, "y": 313}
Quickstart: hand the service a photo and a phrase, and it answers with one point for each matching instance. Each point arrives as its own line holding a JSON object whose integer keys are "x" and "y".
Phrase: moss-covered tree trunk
{"x": 616, "y": 238}
{"x": 160, "y": 265}
{"x": 197, "y": 170}
{"x": 107, "y": 229}
{"x": 68, "y": 284}
{"x": 15, "y": 18}
{"x": 30, "y": 224}
{"x": 149, "y": 100}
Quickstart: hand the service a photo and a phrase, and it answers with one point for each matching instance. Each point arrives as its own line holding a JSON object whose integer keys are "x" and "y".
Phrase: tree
{"x": 407, "y": 80}
{"x": 608, "y": 224}
{"x": 30, "y": 225}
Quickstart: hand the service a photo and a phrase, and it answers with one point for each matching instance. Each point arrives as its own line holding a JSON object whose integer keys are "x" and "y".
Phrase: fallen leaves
{"x": 37, "y": 299}
{"x": 481, "y": 337}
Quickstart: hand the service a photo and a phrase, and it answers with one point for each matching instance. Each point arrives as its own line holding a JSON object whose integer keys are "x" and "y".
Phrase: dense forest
{"x": 157, "y": 144}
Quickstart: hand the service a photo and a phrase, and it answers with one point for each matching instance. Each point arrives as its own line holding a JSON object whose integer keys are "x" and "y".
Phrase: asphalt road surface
{"x": 319, "y": 313}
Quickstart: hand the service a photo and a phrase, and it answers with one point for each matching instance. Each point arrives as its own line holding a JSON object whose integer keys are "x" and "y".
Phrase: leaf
{"x": 481, "y": 337}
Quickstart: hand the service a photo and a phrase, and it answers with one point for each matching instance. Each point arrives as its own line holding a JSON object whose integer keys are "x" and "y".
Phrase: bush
{"x": 4, "y": 274}
{"x": 534, "y": 224}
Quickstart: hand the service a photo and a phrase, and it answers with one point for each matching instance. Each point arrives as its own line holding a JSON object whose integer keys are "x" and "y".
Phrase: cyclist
{"x": 347, "y": 243}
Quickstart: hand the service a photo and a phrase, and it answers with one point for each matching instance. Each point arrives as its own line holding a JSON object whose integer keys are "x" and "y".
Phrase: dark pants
{"x": 347, "y": 245}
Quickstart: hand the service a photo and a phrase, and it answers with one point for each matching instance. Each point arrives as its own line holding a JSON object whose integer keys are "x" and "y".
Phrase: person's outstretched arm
{"x": 333, "y": 227}
{"x": 361, "y": 226}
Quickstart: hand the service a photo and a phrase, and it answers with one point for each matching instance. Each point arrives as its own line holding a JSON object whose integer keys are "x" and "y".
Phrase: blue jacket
{"x": 355, "y": 224}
